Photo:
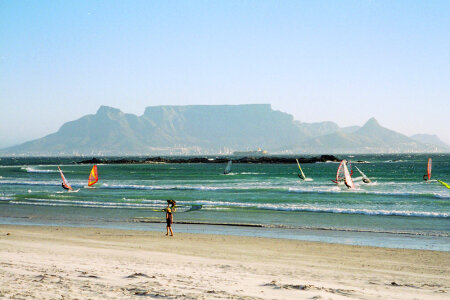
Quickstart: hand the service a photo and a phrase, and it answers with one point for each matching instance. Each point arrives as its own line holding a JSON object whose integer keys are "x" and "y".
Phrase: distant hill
{"x": 212, "y": 129}
{"x": 370, "y": 138}
{"x": 430, "y": 139}
{"x": 350, "y": 129}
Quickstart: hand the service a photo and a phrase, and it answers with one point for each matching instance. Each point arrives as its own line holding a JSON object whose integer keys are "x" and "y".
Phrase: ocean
{"x": 398, "y": 209}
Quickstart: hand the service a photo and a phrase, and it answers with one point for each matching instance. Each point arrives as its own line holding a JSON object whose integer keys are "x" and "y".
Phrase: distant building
{"x": 258, "y": 152}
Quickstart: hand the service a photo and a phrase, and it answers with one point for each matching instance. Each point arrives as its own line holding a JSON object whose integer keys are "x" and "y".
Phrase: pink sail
{"x": 65, "y": 182}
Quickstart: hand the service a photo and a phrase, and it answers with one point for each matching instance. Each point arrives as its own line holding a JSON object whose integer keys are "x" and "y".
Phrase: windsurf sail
{"x": 348, "y": 178}
{"x": 93, "y": 177}
{"x": 349, "y": 167}
{"x": 364, "y": 177}
{"x": 302, "y": 175}
{"x": 444, "y": 184}
{"x": 228, "y": 168}
{"x": 65, "y": 183}
{"x": 340, "y": 176}
{"x": 429, "y": 169}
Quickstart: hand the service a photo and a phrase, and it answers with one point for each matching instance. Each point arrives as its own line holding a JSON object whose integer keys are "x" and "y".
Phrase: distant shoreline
{"x": 243, "y": 160}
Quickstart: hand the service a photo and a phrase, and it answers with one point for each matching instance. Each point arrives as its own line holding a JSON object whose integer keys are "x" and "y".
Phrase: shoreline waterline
{"x": 388, "y": 240}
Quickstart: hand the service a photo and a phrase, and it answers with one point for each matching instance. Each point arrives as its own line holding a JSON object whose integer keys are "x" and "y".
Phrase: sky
{"x": 340, "y": 61}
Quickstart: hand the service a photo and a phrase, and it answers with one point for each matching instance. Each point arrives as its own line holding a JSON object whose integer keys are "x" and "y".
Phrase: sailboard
{"x": 65, "y": 182}
{"x": 302, "y": 175}
{"x": 228, "y": 168}
{"x": 93, "y": 176}
{"x": 348, "y": 178}
{"x": 429, "y": 168}
{"x": 444, "y": 184}
{"x": 365, "y": 178}
{"x": 181, "y": 208}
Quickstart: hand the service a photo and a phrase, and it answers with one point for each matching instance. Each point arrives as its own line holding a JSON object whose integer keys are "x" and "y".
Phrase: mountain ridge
{"x": 212, "y": 129}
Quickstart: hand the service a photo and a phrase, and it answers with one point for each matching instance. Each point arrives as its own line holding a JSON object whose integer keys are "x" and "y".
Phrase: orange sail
{"x": 93, "y": 177}
{"x": 429, "y": 169}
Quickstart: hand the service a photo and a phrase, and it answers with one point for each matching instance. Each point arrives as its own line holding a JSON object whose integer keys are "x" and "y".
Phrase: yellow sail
{"x": 300, "y": 168}
{"x": 444, "y": 184}
{"x": 93, "y": 177}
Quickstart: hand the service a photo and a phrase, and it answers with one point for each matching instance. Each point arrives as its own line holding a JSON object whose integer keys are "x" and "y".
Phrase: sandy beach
{"x": 92, "y": 263}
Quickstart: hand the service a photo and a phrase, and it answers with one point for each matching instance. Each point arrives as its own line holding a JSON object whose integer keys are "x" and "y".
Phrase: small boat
{"x": 301, "y": 175}
{"x": 65, "y": 183}
{"x": 93, "y": 176}
{"x": 428, "y": 175}
{"x": 228, "y": 168}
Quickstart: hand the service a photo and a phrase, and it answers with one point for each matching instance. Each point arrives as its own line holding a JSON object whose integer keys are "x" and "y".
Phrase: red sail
{"x": 93, "y": 177}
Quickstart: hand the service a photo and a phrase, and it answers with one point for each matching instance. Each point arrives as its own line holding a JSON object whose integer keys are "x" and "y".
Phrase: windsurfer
{"x": 366, "y": 180}
{"x": 64, "y": 187}
{"x": 346, "y": 184}
{"x": 425, "y": 177}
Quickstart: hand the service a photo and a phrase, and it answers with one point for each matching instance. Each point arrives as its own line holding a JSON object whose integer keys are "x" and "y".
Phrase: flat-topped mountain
{"x": 212, "y": 129}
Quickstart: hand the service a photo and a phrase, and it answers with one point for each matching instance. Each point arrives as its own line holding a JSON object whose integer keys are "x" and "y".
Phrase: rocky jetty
{"x": 214, "y": 160}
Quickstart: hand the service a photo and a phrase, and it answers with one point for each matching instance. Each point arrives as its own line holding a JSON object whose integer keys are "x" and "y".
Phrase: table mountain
{"x": 212, "y": 129}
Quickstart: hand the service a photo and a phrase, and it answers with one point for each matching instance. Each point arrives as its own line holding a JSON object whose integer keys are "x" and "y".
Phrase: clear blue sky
{"x": 341, "y": 61}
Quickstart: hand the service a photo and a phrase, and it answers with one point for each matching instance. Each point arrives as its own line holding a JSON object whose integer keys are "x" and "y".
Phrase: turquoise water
{"x": 398, "y": 209}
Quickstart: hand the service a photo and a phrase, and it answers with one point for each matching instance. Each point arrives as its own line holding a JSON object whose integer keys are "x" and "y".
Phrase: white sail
{"x": 364, "y": 176}
{"x": 340, "y": 176}
{"x": 348, "y": 178}
{"x": 228, "y": 168}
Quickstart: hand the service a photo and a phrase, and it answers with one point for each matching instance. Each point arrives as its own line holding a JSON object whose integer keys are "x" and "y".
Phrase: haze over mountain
{"x": 429, "y": 139}
{"x": 370, "y": 138}
{"x": 214, "y": 129}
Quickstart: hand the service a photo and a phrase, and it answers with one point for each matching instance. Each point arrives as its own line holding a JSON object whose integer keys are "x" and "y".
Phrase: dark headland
{"x": 215, "y": 160}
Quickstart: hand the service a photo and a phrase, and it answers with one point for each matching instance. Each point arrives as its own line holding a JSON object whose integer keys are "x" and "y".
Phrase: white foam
{"x": 33, "y": 170}
{"x": 311, "y": 208}
{"x": 251, "y": 173}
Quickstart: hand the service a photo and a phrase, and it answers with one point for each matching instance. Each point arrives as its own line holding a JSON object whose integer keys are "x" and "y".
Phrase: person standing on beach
{"x": 169, "y": 218}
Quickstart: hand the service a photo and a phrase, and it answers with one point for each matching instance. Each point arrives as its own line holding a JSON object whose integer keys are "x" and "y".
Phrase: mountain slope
{"x": 430, "y": 139}
{"x": 370, "y": 138}
{"x": 164, "y": 129}
{"x": 201, "y": 129}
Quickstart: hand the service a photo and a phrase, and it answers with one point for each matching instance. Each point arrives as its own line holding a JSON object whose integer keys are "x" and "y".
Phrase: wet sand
{"x": 81, "y": 263}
